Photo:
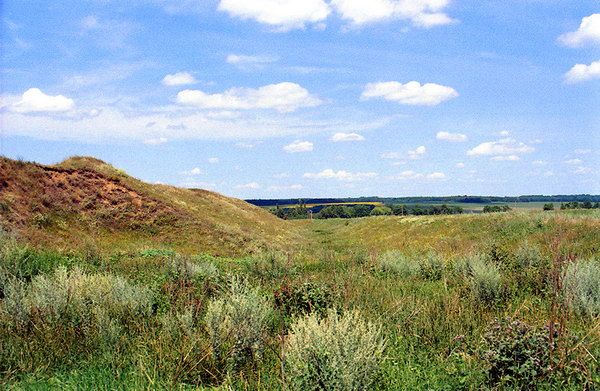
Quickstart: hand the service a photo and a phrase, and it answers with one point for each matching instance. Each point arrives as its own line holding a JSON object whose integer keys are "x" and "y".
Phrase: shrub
{"x": 238, "y": 325}
{"x": 152, "y": 253}
{"x": 304, "y": 299}
{"x": 484, "y": 278}
{"x": 181, "y": 268}
{"x": 269, "y": 266}
{"x": 395, "y": 262}
{"x": 24, "y": 262}
{"x": 529, "y": 269}
{"x": 582, "y": 285}
{"x": 381, "y": 211}
{"x": 514, "y": 353}
{"x": 528, "y": 256}
{"x": 90, "y": 302}
{"x": 333, "y": 353}
{"x": 431, "y": 267}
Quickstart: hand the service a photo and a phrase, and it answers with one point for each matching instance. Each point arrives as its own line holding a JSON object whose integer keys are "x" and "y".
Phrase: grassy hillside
{"x": 460, "y": 235}
{"x": 86, "y": 202}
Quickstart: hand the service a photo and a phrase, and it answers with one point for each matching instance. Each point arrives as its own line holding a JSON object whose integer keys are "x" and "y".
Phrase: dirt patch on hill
{"x": 32, "y": 194}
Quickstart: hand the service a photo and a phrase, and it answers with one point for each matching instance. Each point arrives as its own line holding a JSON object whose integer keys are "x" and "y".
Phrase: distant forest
{"x": 431, "y": 200}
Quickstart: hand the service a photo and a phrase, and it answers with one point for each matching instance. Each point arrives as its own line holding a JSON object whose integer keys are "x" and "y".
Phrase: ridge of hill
{"x": 85, "y": 201}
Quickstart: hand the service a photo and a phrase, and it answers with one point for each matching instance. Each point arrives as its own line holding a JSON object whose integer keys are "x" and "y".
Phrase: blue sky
{"x": 311, "y": 98}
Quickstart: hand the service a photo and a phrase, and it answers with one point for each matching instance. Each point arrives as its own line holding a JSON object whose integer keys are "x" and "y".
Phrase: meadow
{"x": 495, "y": 301}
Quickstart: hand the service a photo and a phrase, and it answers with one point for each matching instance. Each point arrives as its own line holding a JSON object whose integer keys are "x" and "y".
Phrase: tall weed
{"x": 338, "y": 352}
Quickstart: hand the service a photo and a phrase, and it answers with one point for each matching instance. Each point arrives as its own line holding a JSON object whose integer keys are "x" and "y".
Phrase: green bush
{"x": 381, "y": 211}
{"x": 484, "y": 278}
{"x": 338, "y": 352}
{"x": 395, "y": 262}
{"x": 153, "y": 253}
{"x": 238, "y": 325}
{"x": 304, "y": 299}
{"x": 529, "y": 269}
{"x": 515, "y": 354}
{"x": 528, "y": 256}
{"x": 93, "y": 303}
{"x": 181, "y": 268}
{"x": 431, "y": 267}
{"x": 269, "y": 266}
{"x": 582, "y": 285}
{"x": 24, "y": 262}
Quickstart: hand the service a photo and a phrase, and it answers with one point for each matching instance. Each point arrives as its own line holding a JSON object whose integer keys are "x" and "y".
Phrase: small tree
{"x": 549, "y": 206}
{"x": 381, "y": 211}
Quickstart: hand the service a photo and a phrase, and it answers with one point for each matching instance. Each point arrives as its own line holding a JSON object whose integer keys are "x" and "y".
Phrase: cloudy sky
{"x": 297, "y": 98}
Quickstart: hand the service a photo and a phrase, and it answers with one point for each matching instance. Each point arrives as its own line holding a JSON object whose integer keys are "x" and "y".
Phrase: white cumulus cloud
{"x": 452, "y": 137}
{"x": 245, "y": 61}
{"x": 436, "y": 176}
{"x": 338, "y": 137}
{"x": 503, "y": 147}
{"x": 588, "y": 32}
{"x": 411, "y": 93}
{"x": 283, "y": 97}
{"x": 284, "y": 15}
{"x": 35, "y": 101}
{"x": 249, "y": 186}
{"x": 299, "y": 146}
{"x": 422, "y": 13}
{"x": 156, "y": 141}
{"x": 341, "y": 175}
{"x": 178, "y": 79}
{"x": 283, "y": 188}
{"x": 583, "y": 72}
{"x": 194, "y": 171}
{"x": 574, "y": 161}
{"x": 412, "y": 175}
{"x": 417, "y": 153}
{"x": 506, "y": 158}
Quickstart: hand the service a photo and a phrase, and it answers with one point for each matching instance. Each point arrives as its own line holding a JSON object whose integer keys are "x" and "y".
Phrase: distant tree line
{"x": 362, "y": 210}
{"x": 496, "y": 208}
{"x": 435, "y": 200}
{"x": 579, "y": 205}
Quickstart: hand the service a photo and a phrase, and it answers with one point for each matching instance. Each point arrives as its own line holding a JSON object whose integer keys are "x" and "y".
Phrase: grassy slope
{"x": 462, "y": 234}
{"x": 84, "y": 201}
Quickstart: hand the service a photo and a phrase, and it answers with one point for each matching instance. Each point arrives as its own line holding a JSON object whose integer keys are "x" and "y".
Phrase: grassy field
{"x": 107, "y": 282}
{"x": 153, "y": 319}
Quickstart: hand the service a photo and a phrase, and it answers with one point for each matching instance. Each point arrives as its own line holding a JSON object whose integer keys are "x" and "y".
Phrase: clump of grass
{"x": 582, "y": 285}
{"x": 238, "y": 325}
{"x": 185, "y": 269}
{"x": 25, "y": 262}
{"x": 269, "y": 266}
{"x": 306, "y": 298}
{"x": 528, "y": 256}
{"x": 431, "y": 267}
{"x": 338, "y": 352}
{"x": 76, "y": 299}
{"x": 397, "y": 263}
{"x": 62, "y": 317}
{"x": 529, "y": 269}
{"x": 484, "y": 278}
